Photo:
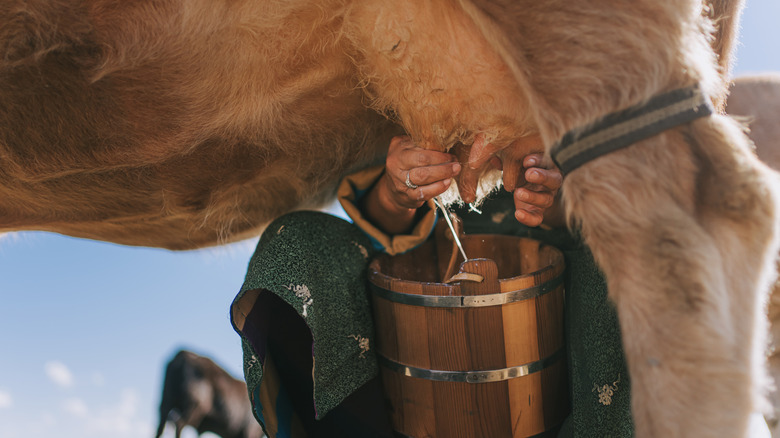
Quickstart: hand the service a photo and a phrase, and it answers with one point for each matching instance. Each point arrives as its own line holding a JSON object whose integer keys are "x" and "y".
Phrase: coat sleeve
{"x": 355, "y": 186}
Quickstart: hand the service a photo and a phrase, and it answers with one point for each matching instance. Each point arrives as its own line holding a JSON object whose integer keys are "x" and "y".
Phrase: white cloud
{"x": 9, "y": 236}
{"x": 122, "y": 419}
{"x": 6, "y": 401}
{"x": 48, "y": 419}
{"x": 98, "y": 379}
{"x": 75, "y": 407}
{"x": 18, "y": 236}
{"x": 59, "y": 373}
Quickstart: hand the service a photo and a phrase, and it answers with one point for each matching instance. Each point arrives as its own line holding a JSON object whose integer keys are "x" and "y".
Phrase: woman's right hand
{"x": 428, "y": 173}
{"x": 392, "y": 202}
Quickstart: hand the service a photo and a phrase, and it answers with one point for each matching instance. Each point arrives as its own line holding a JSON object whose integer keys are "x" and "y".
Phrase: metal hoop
{"x": 484, "y": 376}
{"x": 466, "y": 300}
{"x": 408, "y": 181}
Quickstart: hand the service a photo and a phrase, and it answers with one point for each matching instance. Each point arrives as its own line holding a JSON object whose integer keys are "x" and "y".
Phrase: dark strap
{"x": 623, "y": 128}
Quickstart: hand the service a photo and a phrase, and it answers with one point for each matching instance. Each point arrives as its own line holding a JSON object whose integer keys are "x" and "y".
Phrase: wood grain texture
{"x": 473, "y": 339}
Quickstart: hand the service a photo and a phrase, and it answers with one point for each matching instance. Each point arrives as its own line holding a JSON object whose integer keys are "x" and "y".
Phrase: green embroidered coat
{"x": 317, "y": 264}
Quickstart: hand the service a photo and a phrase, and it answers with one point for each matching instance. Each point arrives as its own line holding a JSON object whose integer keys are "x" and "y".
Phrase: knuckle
{"x": 400, "y": 140}
{"x": 423, "y": 159}
{"x": 523, "y": 194}
{"x": 392, "y": 161}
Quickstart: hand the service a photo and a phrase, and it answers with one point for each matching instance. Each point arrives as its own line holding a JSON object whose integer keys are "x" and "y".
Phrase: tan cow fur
{"x": 184, "y": 124}
{"x": 756, "y": 100}
{"x": 725, "y": 15}
{"x": 175, "y": 124}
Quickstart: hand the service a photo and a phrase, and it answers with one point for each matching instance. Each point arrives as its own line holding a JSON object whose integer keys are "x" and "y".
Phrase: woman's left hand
{"x": 538, "y": 195}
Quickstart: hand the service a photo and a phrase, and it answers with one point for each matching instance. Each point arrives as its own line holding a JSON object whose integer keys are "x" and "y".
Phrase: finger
{"x": 533, "y": 160}
{"x": 551, "y": 179}
{"x": 399, "y": 143}
{"x": 430, "y": 174}
{"x": 531, "y": 218}
{"x": 403, "y": 153}
{"x": 406, "y": 197}
{"x": 409, "y": 155}
{"x": 414, "y": 198}
{"x": 524, "y": 197}
{"x": 418, "y": 157}
{"x": 432, "y": 190}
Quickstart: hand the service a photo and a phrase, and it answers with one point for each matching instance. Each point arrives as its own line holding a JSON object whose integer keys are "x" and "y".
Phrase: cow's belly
{"x": 194, "y": 126}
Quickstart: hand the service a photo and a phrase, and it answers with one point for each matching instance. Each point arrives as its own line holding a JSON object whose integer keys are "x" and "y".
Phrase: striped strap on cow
{"x": 623, "y": 128}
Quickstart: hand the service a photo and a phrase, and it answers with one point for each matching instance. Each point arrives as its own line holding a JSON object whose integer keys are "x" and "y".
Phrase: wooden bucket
{"x": 469, "y": 358}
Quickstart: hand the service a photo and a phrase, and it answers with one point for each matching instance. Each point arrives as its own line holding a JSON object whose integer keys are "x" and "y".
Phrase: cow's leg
{"x": 161, "y": 426}
{"x": 194, "y": 415}
{"x": 687, "y": 277}
{"x": 683, "y": 224}
{"x": 758, "y": 99}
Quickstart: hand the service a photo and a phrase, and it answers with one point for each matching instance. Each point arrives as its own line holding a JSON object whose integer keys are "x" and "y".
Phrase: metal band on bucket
{"x": 470, "y": 376}
{"x": 398, "y": 434}
{"x": 466, "y": 301}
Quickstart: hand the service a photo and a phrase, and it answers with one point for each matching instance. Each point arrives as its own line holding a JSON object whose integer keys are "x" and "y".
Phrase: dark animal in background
{"x": 198, "y": 393}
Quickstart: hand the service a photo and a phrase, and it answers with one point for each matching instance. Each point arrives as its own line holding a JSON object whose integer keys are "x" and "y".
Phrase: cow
{"x": 198, "y": 393}
{"x": 187, "y": 124}
{"x": 141, "y": 124}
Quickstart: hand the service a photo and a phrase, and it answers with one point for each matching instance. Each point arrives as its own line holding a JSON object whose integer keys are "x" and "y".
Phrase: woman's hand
{"x": 533, "y": 182}
{"x": 413, "y": 175}
{"x": 536, "y": 198}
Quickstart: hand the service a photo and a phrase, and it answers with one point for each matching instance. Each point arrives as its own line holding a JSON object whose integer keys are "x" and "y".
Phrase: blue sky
{"x": 86, "y": 327}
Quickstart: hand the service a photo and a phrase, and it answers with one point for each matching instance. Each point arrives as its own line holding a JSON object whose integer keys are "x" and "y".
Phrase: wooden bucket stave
{"x": 473, "y": 359}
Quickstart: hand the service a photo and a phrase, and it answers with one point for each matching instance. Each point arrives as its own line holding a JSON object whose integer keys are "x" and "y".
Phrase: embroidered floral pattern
{"x": 250, "y": 363}
{"x": 362, "y": 343}
{"x": 606, "y": 392}
{"x": 302, "y": 291}
{"x": 362, "y": 249}
{"x": 499, "y": 216}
